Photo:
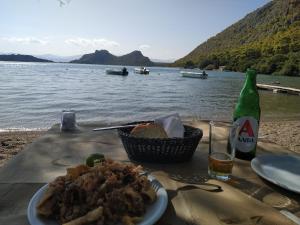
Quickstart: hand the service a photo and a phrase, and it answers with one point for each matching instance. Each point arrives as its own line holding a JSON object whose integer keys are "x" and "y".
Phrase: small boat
{"x": 141, "y": 70}
{"x": 122, "y": 72}
{"x": 275, "y": 82}
{"x": 201, "y": 75}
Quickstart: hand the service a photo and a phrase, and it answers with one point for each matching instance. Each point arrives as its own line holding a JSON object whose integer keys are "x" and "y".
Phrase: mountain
{"x": 267, "y": 39}
{"x": 135, "y": 58}
{"x": 98, "y": 57}
{"x": 58, "y": 58}
{"x": 21, "y": 58}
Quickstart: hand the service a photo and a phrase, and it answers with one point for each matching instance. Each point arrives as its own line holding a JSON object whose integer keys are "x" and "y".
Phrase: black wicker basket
{"x": 161, "y": 150}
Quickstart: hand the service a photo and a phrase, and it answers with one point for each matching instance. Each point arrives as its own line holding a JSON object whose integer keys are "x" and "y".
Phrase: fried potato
{"x": 75, "y": 172}
{"x": 44, "y": 206}
{"x": 128, "y": 220}
{"x": 150, "y": 194}
{"x": 108, "y": 193}
{"x": 91, "y": 216}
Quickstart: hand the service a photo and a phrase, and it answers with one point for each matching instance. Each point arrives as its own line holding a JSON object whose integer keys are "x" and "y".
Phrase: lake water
{"x": 32, "y": 95}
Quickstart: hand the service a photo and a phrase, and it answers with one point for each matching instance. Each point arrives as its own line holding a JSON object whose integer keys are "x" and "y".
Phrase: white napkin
{"x": 172, "y": 125}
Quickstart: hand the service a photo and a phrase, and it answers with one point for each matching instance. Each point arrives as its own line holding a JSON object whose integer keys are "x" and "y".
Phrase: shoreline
{"x": 283, "y": 132}
{"x": 118, "y": 122}
{"x": 8, "y": 130}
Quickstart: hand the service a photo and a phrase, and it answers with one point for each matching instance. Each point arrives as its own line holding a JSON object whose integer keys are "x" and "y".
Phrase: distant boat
{"x": 200, "y": 75}
{"x": 122, "y": 72}
{"x": 275, "y": 82}
{"x": 141, "y": 70}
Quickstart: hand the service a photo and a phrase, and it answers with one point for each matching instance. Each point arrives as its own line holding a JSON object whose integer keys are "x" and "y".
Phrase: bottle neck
{"x": 250, "y": 80}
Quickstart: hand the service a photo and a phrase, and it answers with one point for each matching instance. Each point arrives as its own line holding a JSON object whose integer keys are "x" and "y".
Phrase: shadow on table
{"x": 195, "y": 182}
{"x": 271, "y": 194}
{"x": 170, "y": 217}
{"x": 189, "y": 175}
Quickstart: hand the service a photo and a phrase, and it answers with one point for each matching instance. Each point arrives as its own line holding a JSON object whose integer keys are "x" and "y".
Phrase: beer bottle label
{"x": 248, "y": 133}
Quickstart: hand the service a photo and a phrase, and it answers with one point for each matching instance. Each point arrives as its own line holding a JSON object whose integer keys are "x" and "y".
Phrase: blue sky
{"x": 161, "y": 29}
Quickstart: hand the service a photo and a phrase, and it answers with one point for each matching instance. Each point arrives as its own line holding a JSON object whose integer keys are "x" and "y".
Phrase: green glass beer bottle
{"x": 247, "y": 115}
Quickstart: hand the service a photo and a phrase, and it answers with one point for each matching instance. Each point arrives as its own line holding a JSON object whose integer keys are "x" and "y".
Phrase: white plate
{"x": 153, "y": 213}
{"x": 282, "y": 170}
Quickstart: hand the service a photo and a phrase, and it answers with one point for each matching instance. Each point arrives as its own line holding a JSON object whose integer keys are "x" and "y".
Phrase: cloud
{"x": 25, "y": 40}
{"x": 144, "y": 47}
{"x": 95, "y": 43}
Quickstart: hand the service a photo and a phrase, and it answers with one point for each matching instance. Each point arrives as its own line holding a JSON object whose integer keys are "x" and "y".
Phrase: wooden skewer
{"x": 114, "y": 127}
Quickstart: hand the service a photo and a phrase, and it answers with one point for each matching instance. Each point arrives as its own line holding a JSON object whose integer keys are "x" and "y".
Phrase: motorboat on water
{"x": 192, "y": 74}
{"x": 122, "y": 72}
{"x": 141, "y": 70}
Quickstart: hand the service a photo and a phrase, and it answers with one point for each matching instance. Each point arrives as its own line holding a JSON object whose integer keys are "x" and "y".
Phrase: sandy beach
{"x": 13, "y": 142}
{"x": 283, "y": 133}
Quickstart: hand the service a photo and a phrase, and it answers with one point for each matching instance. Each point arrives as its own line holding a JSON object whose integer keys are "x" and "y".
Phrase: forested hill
{"x": 267, "y": 39}
{"x": 135, "y": 58}
{"x": 21, "y": 58}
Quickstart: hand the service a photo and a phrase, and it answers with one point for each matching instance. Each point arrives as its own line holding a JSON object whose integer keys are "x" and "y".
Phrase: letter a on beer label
{"x": 248, "y": 133}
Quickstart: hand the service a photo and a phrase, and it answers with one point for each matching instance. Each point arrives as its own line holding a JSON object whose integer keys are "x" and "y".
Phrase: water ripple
{"x": 32, "y": 95}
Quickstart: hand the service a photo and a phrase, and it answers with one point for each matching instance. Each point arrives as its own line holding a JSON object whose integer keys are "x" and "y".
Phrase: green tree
{"x": 189, "y": 64}
{"x": 290, "y": 68}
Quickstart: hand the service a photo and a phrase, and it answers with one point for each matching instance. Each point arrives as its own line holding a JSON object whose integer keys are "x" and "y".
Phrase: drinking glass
{"x": 222, "y": 140}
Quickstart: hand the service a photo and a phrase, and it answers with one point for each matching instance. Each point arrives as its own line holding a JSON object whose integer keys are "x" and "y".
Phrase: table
{"x": 193, "y": 197}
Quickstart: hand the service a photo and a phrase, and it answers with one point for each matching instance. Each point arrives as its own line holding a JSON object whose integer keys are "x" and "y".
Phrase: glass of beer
{"x": 222, "y": 139}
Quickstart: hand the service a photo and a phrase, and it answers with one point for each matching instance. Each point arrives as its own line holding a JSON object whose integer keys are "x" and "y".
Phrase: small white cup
{"x": 68, "y": 121}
